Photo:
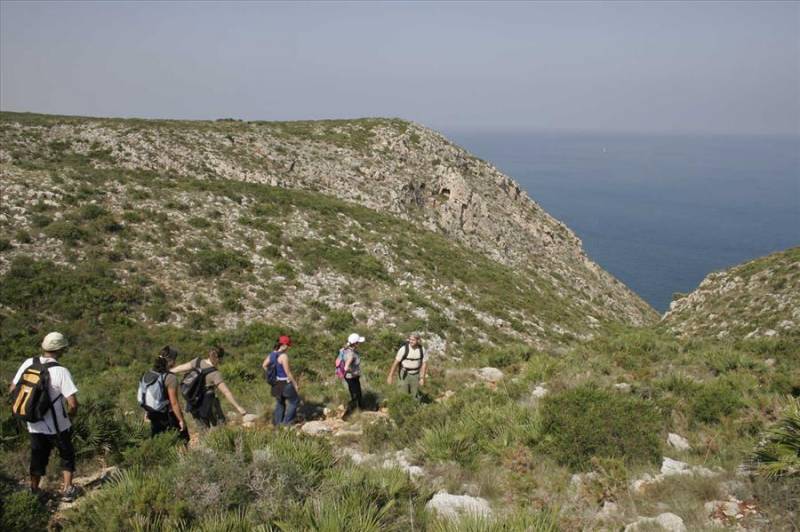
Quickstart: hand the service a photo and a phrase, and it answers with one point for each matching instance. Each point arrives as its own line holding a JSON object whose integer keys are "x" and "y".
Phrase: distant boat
{"x": 604, "y": 150}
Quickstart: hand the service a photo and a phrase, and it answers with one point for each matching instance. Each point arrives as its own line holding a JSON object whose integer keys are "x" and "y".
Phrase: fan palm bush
{"x": 778, "y": 455}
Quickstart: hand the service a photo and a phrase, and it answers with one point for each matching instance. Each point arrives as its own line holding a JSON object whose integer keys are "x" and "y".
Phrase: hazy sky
{"x": 730, "y": 67}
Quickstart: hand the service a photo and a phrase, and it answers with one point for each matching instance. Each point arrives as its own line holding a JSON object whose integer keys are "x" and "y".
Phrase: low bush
{"x": 212, "y": 262}
{"x": 587, "y": 421}
{"x": 339, "y": 321}
{"x": 778, "y": 454}
{"x": 21, "y": 511}
{"x": 153, "y": 452}
{"x": 149, "y": 504}
{"x": 355, "y": 498}
{"x": 214, "y": 482}
{"x": 100, "y": 430}
{"x": 66, "y": 230}
{"x": 714, "y": 400}
{"x": 545, "y": 520}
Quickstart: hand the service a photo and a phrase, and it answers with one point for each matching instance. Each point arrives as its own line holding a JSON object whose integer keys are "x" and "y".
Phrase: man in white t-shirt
{"x": 53, "y": 432}
{"x": 412, "y": 366}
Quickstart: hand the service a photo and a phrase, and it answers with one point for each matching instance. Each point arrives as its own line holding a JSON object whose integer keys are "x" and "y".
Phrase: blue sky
{"x": 712, "y": 67}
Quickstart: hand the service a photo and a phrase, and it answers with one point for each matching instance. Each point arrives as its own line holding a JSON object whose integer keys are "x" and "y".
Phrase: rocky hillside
{"x": 760, "y": 298}
{"x": 375, "y": 222}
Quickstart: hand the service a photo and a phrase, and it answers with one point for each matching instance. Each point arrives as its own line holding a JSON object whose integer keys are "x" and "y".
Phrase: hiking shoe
{"x": 70, "y": 494}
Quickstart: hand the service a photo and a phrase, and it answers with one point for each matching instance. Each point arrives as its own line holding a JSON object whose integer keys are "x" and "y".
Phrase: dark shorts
{"x": 42, "y": 445}
{"x": 163, "y": 422}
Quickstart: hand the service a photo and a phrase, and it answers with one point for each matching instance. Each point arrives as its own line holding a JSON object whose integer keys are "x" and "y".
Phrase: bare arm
{"x": 183, "y": 368}
{"x": 283, "y": 360}
{"x": 423, "y": 372}
{"x": 229, "y": 396}
{"x": 265, "y": 363}
{"x": 347, "y": 361}
{"x": 392, "y": 371}
{"x": 72, "y": 405}
{"x": 176, "y": 406}
{"x": 11, "y": 387}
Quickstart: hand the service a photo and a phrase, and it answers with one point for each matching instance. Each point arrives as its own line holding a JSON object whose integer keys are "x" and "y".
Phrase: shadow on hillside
{"x": 309, "y": 410}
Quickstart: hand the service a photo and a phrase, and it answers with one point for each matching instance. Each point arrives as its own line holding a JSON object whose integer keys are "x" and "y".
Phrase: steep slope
{"x": 218, "y": 224}
{"x": 755, "y": 299}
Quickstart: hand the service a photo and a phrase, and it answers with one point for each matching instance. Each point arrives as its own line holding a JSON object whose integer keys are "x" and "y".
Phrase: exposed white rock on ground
{"x": 667, "y": 521}
{"x": 454, "y": 506}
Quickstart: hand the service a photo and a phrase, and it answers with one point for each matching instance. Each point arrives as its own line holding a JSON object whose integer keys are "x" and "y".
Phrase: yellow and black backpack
{"x": 30, "y": 399}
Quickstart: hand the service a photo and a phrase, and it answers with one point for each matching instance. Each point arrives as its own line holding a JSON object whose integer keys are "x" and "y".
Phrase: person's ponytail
{"x": 165, "y": 356}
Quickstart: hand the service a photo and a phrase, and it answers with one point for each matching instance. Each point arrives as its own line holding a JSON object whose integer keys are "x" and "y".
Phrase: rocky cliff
{"x": 288, "y": 202}
{"x": 760, "y": 298}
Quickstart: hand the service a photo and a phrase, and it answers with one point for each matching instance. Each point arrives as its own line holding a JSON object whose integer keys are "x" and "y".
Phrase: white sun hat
{"x": 54, "y": 341}
{"x": 355, "y": 338}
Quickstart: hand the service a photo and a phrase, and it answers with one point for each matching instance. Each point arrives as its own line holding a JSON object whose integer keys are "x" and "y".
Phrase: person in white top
{"x": 410, "y": 366}
{"x": 53, "y": 432}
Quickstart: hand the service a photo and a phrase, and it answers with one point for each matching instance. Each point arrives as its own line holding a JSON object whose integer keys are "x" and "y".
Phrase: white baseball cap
{"x": 54, "y": 341}
{"x": 355, "y": 338}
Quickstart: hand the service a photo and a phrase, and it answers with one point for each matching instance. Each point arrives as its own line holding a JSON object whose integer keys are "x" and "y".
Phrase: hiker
{"x": 43, "y": 394}
{"x": 349, "y": 368}
{"x": 158, "y": 395}
{"x": 284, "y": 386}
{"x": 199, "y": 387}
{"x": 410, "y": 360}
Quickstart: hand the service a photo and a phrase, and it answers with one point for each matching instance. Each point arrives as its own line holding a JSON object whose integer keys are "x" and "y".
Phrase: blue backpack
{"x": 271, "y": 373}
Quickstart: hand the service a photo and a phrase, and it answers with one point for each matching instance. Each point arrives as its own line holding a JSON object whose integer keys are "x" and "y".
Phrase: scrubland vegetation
{"x": 125, "y": 261}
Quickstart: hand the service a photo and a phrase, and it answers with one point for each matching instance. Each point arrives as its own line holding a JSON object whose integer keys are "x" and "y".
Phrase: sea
{"x": 659, "y": 212}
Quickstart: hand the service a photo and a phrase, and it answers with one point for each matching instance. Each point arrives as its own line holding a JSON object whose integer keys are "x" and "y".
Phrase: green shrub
{"x": 99, "y": 430}
{"x": 355, "y": 498}
{"x": 88, "y": 291}
{"x": 545, "y": 520}
{"x": 339, "y": 321}
{"x": 452, "y": 441}
{"x": 198, "y": 222}
{"x": 778, "y": 454}
{"x": 214, "y": 482}
{"x": 41, "y": 220}
{"x": 725, "y": 360}
{"x": 5, "y": 244}
{"x": 714, "y": 400}
{"x": 149, "y": 504}
{"x": 285, "y": 269}
{"x": 212, "y": 262}
{"x": 92, "y": 211}
{"x": 66, "y": 230}
{"x": 402, "y": 407}
{"x": 378, "y": 434}
{"x": 23, "y": 236}
{"x": 586, "y": 422}
{"x": 153, "y": 452}
{"x": 22, "y": 511}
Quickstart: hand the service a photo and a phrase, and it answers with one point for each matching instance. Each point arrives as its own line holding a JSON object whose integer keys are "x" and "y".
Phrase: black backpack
{"x": 193, "y": 386}
{"x": 407, "y": 349}
{"x": 31, "y": 398}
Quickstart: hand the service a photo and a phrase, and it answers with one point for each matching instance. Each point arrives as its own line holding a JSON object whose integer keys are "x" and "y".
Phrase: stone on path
{"x": 316, "y": 428}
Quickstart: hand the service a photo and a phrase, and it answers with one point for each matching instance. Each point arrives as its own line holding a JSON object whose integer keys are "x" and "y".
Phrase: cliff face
{"x": 398, "y": 169}
{"x": 760, "y": 298}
